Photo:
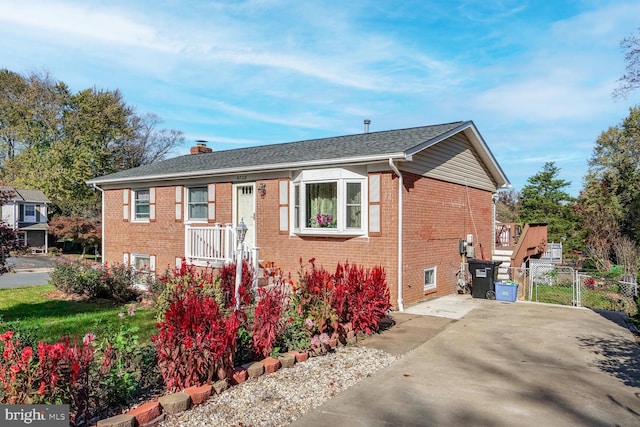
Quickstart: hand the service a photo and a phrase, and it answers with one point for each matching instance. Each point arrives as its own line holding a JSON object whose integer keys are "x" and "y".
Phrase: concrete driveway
{"x": 500, "y": 364}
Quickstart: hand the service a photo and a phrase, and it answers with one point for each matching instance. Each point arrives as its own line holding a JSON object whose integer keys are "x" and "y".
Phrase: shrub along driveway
{"x": 503, "y": 364}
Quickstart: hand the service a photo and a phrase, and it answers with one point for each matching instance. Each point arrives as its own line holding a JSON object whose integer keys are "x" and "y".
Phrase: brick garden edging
{"x": 150, "y": 413}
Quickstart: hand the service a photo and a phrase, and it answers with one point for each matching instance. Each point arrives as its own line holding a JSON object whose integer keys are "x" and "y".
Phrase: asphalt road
{"x": 29, "y": 270}
{"x": 22, "y": 279}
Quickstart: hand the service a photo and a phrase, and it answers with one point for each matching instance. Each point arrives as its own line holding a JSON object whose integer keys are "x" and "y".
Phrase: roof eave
{"x": 478, "y": 142}
{"x": 252, "y": 169}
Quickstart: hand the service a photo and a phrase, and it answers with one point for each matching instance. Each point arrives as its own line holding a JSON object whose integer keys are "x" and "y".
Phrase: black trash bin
{"x": 484, "y": 274}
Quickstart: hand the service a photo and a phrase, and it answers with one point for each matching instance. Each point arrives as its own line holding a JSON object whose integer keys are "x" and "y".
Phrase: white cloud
{"x": 82, "y": 21}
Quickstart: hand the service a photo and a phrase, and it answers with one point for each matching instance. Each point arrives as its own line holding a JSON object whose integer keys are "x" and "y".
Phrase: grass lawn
{"x": 36, "y": 309}
{"x": 595, "y": 299}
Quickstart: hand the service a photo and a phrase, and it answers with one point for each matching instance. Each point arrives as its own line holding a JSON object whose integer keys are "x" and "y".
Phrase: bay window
{"x": 329, "y": 202}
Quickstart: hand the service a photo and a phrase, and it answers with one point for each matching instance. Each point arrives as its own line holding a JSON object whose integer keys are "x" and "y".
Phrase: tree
{"x": 631, "y": 79}
{"x": 543, "y": 199}
{"x": 56, "y": 140}
{"x": 507, "y": 206}
{"x": 150, "y": 144}
{"x": 8, "y": 236}
{"x": 85, "y": 232}
{"x": 609, "y": 202}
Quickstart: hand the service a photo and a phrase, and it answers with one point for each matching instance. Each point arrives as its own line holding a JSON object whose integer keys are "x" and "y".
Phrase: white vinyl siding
{"x": 453, "y": 160}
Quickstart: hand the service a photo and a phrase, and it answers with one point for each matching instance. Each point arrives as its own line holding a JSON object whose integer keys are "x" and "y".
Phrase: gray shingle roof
{"x": 25, "y": 195}
{"x": 357, "y": 146}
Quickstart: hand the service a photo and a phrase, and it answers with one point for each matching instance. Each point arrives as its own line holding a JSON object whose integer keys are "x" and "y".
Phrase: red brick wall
{"x": 286, "y": 250}
{"x": 163, "y": 237}
{"x": 437, "y": 215}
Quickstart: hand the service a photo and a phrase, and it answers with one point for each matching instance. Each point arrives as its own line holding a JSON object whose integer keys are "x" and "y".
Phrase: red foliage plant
{"x": 361, "y": 296}
{"x": 195, "y": 341}
{"x": 62, "y": 372}
{"x": 228, "y": 283}
{"x": 316, "y": 295}
{"x": 266, "y": 320}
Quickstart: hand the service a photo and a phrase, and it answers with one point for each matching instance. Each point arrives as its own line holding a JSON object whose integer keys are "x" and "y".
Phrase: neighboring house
{"x": 402, "y": 199}
{"x": 26, "y": 211}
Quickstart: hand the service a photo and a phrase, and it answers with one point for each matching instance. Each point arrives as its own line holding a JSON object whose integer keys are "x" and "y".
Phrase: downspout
{"x": 494, "y": 198}
{"x": 395, "y": 169}
{"x": 102, "y": 223}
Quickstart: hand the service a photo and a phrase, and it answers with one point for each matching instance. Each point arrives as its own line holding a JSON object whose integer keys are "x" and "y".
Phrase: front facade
{"x": 26, "y": 212}
{"x": 401, "y": 199}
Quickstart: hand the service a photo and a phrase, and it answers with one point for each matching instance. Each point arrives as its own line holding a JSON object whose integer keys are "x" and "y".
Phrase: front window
{"x": 354, "y": 205}
{"x": 322, "y": 204}
{"x": 29, "y": 213}
{"x": 198, "y": 203}
{"x": 329, "y": 202}
{"x": 141, "y": 202}
{"x": 296, "y": 206}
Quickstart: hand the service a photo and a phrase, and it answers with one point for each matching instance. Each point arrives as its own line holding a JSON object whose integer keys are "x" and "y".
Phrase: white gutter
{"x": 400, "y": 246}
{"x": 244, "y": 170}
{"x": 102, "y": 223}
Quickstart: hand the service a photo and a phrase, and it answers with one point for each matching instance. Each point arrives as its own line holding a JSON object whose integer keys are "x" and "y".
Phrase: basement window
{"x": 429, "y": 278}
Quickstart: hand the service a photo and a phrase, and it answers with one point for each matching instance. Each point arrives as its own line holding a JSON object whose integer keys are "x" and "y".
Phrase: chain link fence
{"x": 551, "y": 284}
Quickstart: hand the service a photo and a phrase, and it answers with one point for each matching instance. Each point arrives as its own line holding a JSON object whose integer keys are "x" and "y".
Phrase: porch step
{"x": 503, "y": 255}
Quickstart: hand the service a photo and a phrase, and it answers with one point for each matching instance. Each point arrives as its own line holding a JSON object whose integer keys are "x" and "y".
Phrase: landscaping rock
{"x": 301, "y": 356}
{"x": 122, "y": 420}
{"x": 270, "y": 365}
{"x": 255, "y": 369}
{"x": 154, "y": 422}
{"x": 146, "y": 413}
{"x": 221, "y": 385}
{"x": 240, "y": 375}
{"x": 199, "y": 394}
{"x": 287, "y": 360}
{"x": 175, "y": 403}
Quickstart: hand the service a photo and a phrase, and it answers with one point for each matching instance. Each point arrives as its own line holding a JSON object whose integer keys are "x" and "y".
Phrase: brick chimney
{"x": 200, "y": 148}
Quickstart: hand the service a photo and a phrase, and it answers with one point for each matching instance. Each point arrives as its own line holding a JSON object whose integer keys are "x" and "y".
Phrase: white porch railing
{"x": 215, "y": 245}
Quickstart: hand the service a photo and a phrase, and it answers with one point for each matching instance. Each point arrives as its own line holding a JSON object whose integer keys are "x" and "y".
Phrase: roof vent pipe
{"x": 367, "y": 122}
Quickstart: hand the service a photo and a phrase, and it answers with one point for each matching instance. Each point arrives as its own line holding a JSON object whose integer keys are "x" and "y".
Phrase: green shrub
{"x": 92, "y": 281}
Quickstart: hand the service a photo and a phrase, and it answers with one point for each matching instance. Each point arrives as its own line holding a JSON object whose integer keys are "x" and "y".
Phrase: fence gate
{"x": 544, "y": 282}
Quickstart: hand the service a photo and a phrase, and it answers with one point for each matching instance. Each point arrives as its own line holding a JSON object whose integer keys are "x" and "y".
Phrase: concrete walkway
{"x": 500, "y": 364}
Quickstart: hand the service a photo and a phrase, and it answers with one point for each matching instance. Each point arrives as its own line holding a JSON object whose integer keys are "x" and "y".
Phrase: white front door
{"x": 245, "y": 210}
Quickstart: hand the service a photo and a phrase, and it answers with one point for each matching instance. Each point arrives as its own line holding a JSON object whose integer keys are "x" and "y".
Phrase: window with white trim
{"x": 329, "y": 202}
{"x": 140, "y": 263}
{"x": 141, "y": 205}
{"x": 197, "y": 200}
{"x": 429, "y": 278}
{"x": 29, "y": 213}
{"x": 143, "y": 266}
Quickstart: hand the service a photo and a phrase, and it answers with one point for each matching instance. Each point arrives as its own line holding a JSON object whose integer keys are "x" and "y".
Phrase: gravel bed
{"x": 279, "y": 398}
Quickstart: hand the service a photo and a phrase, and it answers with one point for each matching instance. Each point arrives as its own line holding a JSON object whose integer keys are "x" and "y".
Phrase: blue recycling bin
{"x": 507, "y": 291}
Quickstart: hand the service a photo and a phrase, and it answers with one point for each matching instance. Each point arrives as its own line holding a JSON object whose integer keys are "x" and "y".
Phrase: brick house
{"x": 402, "y": 199}
{"x": 26, "y": 212}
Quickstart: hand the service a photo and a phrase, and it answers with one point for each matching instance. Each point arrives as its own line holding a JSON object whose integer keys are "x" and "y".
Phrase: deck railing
{"x": 215, "y": 245}
{"x": 507, "y": 234}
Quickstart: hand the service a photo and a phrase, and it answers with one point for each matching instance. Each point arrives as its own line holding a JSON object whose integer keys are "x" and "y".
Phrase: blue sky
{"x": 535, "y": 76}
